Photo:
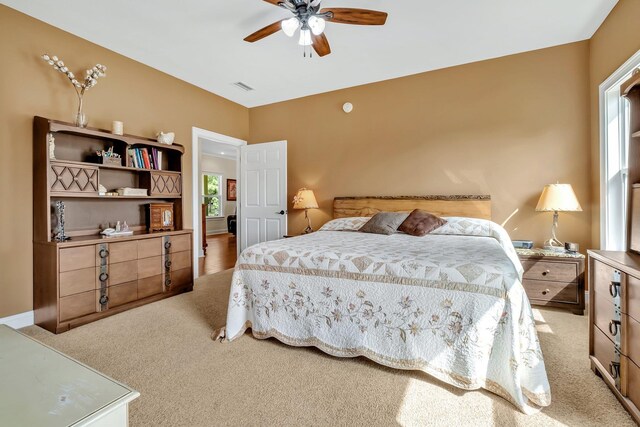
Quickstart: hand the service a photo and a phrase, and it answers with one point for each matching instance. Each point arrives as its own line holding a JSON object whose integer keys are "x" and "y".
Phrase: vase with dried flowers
{"x": 91, "y": 79}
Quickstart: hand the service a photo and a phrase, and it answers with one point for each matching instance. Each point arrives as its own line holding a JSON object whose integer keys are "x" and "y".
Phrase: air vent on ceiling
{"x": 243, "y": 86}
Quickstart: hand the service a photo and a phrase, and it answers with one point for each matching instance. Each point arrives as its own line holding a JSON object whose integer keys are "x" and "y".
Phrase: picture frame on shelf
{"x": 232, "y": 193}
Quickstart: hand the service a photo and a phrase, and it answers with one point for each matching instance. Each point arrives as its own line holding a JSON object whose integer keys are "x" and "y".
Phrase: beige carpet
{"x": 164, "y": 351}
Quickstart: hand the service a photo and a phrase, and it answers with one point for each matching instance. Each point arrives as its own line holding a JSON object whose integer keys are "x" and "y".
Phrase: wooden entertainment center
{"x": 91, "y": 276}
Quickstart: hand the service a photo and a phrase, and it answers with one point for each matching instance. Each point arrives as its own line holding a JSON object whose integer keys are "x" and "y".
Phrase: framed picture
{"x": 231, "y": 190}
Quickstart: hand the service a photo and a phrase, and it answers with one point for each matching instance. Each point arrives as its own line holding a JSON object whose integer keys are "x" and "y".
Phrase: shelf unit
{"x": 91, "y": 276}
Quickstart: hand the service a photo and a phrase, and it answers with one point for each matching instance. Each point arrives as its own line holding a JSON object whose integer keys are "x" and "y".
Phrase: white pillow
{"x": 345, "y": 224}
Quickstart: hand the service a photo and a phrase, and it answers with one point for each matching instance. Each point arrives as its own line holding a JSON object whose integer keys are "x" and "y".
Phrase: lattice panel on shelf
{"x": 73, "y": 179}
{"x": 165, "y": 184}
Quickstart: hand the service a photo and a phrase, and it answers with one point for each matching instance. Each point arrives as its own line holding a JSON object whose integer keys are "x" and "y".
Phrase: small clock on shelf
{"x": 160, "y": 217}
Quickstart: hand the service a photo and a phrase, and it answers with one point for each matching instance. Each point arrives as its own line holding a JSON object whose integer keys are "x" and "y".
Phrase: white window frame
{"x": 218, "y": 196}
{"x": 613, "y": 171}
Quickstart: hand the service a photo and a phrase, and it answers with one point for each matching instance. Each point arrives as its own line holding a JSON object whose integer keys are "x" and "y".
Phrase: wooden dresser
{"x": 553, "y": 279}
{"x": 614, "y": 324}
{"x": 90, "y": 276}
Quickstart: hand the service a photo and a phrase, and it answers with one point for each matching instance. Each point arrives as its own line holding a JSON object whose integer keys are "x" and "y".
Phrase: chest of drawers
{"x": 614, "y": 324}
{"x": 76, "y": 282}
{"x": 553, "y": 279}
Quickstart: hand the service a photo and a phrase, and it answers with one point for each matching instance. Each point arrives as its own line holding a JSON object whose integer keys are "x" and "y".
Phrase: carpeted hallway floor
{"x": 164, "y": 350}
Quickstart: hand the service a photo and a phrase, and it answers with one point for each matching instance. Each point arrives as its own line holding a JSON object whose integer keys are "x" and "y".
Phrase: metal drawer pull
{"x": 167, "y": 281}
{"x": 104, "y": 299}
{"x": 167, "y": 245}
{"x": 614, "y": 289}
{"x": 103, "y": 277}
{"x": 103, "y": 253}
{"x": 167, "y": 264}
{"x": 546, "y": 291}
{"x": 614, "y": 327}
{"x": 544, "y": 273}
{"x": 614, "y": 369}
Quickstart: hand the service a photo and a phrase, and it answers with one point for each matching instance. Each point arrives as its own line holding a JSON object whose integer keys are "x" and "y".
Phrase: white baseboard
{"x": 18, "y": 321}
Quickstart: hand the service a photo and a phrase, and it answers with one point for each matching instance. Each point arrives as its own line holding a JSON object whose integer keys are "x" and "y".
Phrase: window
{"x": 212, "y": 194}
{"x": 614, "y": 149}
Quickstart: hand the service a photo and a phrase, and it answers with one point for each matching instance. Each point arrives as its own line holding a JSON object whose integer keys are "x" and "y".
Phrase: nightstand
{"x": 553, "y": 279}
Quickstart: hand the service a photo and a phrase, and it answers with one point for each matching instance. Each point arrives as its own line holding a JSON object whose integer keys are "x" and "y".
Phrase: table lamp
{"x": 557, "y": 198}
{"x": 305, "y": 200}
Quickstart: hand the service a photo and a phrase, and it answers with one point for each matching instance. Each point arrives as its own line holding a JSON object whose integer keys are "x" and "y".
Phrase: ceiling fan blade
{"x": 321, "y": 44}
{"x": 342, "y": 15}
{"x": 274, "y": 2}
{"x": 264, "y": 32}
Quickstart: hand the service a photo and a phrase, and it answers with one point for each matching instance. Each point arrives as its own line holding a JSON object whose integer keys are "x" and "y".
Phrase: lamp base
{"x": 554, "y": 245}
{"x": 308, "y": 230}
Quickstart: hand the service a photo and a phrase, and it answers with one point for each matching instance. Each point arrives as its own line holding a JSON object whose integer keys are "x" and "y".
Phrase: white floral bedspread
{"x": 450, "y": 304}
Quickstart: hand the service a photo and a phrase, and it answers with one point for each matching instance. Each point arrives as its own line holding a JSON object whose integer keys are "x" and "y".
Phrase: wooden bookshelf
{"x": 91, "y": 276}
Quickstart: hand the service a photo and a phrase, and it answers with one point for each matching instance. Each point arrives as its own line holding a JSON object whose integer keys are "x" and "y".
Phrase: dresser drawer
{"x": 604, "y": 351}
{"x": 553, "y": 271}
{"x": 632, "y": 338}
{"x": 150, "y": 247}
{"x": 180, "y": 260}
{"x": 633, "y": 382}
{"x": 77, "y": 258}
{"x": 603, "y": 276}
{"x": 77, "y": 305}
{"x": 121, "y": 272}
{"x": 551, "y": 291}
{"x": 604, "y": 316}
{"x": 123, "y": 251}
{"x": 149, "y": 286}
{"x": 122, "y": 294}
{"x": 633, "y": 298}
{"x": 77, "y": 281}
{"x": 148, "y": 267}
{"x": 181, "y": 242}
{"x": 181, "y": 279}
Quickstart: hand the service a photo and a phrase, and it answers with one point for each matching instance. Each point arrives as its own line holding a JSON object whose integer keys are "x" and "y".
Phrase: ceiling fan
{"x": 311, "y": 20}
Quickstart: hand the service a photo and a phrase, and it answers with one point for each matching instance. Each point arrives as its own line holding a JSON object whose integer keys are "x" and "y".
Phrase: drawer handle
{"x": 167, "y": 281}
{"x": 103, "y": 253}
{"x": 614, "y": 327}
{"x": 544, "y": 273}
{"x": 614, "y": 369}
{"x": 614, "y": 289}
{"x": 103, "y": 277}
{"x": 167, "y": 264}
{"x": 167, "y": 245}
{"x": 104, "y": 299}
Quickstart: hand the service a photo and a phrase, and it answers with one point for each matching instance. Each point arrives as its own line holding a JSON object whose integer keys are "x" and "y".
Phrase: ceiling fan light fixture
{"x": 305, "y": 37}
{"x": 289, "y": 26}
{"x": 317, "y": 25}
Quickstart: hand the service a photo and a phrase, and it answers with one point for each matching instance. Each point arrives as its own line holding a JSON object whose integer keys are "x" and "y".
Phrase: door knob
{"x": 281, "y": 212}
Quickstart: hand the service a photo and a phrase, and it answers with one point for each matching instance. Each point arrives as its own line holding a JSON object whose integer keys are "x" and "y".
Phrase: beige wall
{"x": 617, "y": 39}
{"x": 227, "y": 168}
{"x": 145, "y": 99}
{"x": 504, "y": 127}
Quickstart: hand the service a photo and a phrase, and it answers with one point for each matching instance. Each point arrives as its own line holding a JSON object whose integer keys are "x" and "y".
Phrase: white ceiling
{"x": 200, "y": 41}
{"x": 217, "y": 149}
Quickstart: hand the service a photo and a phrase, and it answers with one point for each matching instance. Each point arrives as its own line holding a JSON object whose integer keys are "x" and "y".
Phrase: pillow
{"x": 420, "y": 222}
{"x": 384, "y": 223}
{"x": 345, "y": 224}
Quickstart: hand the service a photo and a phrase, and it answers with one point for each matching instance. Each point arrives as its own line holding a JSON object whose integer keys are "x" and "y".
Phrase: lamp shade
{"x": 558, "y": 197}
{"x": 305, "y": 200}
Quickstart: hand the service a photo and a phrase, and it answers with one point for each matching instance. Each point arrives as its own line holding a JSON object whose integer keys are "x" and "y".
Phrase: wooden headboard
{"x": 469, "y": 206}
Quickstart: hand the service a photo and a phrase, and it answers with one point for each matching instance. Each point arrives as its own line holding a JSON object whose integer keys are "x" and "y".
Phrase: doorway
{"x": 216, "y": 180}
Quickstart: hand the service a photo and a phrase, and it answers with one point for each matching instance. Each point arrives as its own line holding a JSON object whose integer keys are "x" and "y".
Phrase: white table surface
{"x": 40, "y": 386}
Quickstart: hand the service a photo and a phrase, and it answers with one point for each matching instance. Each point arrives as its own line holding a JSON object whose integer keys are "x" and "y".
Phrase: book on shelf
{"x": 145, "y": 158}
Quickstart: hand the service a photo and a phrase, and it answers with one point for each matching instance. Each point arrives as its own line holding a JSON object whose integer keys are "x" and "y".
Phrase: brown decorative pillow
{"x": 420, "y": 222}
{"x": 384, "y": 223}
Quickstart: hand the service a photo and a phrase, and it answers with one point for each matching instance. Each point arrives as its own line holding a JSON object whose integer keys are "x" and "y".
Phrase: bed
{"x": 450, "y": 304}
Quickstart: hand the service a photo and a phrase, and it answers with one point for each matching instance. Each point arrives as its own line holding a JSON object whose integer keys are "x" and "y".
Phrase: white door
{"x": 263, "y": 192}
